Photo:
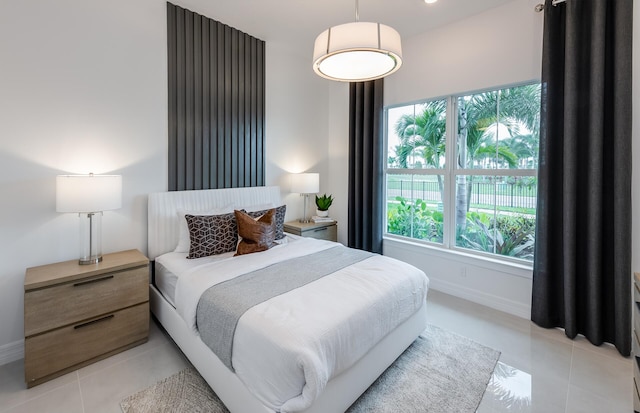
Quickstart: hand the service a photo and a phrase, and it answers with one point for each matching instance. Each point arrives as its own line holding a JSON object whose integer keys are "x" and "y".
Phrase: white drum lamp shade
{"x": 305, "y": 184}
{"x": 89, "y": 195}
{"x": 357, "y": 52}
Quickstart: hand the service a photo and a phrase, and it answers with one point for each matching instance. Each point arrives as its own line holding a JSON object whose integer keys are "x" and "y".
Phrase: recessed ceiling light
{"x": 430, "y": 1}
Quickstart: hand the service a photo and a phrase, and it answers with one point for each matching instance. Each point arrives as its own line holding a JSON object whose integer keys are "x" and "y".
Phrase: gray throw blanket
{"x": 221, "y": 306}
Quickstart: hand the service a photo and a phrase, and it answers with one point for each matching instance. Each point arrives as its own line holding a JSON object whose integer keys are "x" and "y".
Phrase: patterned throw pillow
{"x": 257, "y": 235}
{"x": 184, "y": 240}
{"x": 280, "y": 212}
{"x": 211, "y": 234}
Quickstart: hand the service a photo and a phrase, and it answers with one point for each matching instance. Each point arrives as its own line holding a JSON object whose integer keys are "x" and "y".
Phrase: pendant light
{"x": 357, "y": 52}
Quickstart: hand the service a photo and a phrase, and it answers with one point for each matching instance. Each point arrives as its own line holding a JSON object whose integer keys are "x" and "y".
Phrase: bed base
{"x": 340, "y": 392}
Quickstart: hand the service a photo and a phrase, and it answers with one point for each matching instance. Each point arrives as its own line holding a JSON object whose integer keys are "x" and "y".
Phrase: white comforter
{"x": 287, "y": 348}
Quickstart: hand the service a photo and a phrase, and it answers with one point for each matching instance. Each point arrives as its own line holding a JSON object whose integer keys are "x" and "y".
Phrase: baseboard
{"x": 11, "y": 352}
{"x": 488, "y": 300}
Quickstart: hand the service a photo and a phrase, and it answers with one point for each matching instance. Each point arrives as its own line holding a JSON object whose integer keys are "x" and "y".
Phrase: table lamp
{"x": 305, "y": 184}
{"x": 88, "y": 196}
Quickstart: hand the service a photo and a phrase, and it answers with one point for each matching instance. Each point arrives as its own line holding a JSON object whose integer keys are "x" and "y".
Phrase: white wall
{"x": 83, "y": 89}
{"x": 296, "y": 124}
{"x": 338, "y": 146}
{"x": 499, "y": 47}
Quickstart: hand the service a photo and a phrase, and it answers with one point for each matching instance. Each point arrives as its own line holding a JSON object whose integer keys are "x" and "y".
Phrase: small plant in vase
{"x": 322, "y": 205}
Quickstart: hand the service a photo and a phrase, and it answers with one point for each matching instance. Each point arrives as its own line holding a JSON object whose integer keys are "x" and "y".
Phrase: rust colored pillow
{"x": 257, "y": 234}
{"x": 280, "y": 212}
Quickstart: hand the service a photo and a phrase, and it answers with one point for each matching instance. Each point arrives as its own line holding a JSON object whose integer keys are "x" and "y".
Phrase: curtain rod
{"x": 540, "y": 7}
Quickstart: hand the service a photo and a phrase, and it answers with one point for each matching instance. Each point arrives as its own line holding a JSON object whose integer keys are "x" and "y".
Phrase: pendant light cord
{"x": 357, "y": 15}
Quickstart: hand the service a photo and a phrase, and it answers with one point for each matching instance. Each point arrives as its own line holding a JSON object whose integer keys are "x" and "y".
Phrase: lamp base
{"x": 90, "y": 260}
{"x": 90, "y": 238}
{"x": 305, "y": 219}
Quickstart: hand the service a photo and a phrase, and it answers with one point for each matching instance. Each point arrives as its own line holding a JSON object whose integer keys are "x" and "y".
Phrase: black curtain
{"x": 582, "y": 265}
{"x": 216, "y": 80}
{"x": 366, "y": 174}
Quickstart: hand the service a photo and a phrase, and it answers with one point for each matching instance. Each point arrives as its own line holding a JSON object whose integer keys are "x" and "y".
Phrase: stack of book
{"x": 317, "y": 219}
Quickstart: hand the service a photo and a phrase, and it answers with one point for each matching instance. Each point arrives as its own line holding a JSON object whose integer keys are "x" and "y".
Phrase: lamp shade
{"x": 88, "y": 193}
{"x": 305, "y": 183}
{"x": 356, "y": 52}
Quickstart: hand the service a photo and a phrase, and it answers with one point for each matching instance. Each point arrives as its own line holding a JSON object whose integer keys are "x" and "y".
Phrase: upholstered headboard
{"x": 163, "y": 210}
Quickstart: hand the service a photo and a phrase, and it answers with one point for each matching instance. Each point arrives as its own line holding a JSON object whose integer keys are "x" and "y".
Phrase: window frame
{"x": 450, "y": 172}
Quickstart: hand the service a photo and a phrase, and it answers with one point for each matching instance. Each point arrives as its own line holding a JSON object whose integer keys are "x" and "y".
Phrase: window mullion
{"x": 385, "y": 219}
{"x": 399, "y": 171}
{"x": 449, "y": 175}
{"x": 497, "y": 172}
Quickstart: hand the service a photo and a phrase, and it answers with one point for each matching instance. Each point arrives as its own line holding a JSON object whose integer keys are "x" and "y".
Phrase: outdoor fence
{"x": 501, "y": 194}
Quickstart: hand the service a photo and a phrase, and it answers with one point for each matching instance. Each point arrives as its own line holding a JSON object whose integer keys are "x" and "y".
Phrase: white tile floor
{"x": 539, "y": 370}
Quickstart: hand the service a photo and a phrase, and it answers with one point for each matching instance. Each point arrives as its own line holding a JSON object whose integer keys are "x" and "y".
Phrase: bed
{"x": 351, "y": 371}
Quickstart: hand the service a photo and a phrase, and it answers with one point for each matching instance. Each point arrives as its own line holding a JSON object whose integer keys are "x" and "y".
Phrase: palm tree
{"x": 516, "y": 109}
{"x": 482, "y": 145}
{"x": 509, "y": 108}
{"x": 525, "y": 148}
{"x": 423, "y": 135}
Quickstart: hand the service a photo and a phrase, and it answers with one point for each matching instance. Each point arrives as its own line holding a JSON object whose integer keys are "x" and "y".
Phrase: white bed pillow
{"x": 255, "y": 208}
{"x": 184, "y": 241}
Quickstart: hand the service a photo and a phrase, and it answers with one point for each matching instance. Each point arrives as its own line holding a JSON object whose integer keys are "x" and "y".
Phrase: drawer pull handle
{"x": 95, "y": 280}
{"x": 320, "y": 229}
{"x": 97, "y": 320}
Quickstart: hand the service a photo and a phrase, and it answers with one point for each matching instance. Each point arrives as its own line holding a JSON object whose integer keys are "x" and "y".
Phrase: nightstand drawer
{"x": 319, "y": 230}
{"x": 329, "y": 233}
{"x": 64, "y": 348}
{"x": 52, "y": 307}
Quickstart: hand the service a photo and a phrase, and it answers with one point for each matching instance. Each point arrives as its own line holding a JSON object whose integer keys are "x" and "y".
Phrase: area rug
{"x": 440, "y": 372}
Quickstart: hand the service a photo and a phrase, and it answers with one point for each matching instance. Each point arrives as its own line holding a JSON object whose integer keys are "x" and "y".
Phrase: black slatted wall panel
{"x": 216, "y": 104}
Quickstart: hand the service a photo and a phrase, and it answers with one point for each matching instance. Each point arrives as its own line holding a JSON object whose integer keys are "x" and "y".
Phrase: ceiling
{"x": 298, "y": 22}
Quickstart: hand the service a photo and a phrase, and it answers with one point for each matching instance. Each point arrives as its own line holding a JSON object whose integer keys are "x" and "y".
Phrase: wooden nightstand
{"x": 320, "y": 230}
{"x": 75, "y": 315}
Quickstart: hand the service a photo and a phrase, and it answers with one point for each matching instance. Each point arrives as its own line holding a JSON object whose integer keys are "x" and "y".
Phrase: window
{"x": 462, "y": 171}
